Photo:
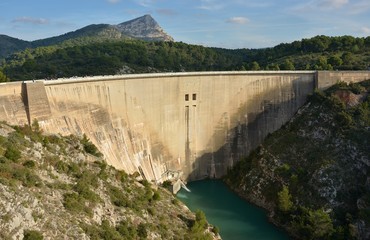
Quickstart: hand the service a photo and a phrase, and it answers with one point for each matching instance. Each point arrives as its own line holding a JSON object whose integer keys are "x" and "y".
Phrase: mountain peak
{"x": 144, "y": 27}
{"x": 147, "y": 20}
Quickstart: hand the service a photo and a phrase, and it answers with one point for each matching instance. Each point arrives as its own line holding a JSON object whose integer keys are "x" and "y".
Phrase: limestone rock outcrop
{"x": 145, "y": 28}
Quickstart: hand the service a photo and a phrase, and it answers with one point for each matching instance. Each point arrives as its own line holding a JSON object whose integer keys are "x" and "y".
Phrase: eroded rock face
{"x": 350, "y": 99}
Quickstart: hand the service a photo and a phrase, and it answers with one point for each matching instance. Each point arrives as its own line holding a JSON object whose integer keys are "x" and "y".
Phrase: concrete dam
{"x": 163, "y": 126}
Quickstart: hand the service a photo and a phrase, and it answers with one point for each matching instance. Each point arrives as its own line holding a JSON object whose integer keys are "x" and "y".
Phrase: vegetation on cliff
{"x": 60, "y": 187}
{"x": 313, "y": 174}
{"x": 87, "y": 56}
{"x": 3, "y": 77}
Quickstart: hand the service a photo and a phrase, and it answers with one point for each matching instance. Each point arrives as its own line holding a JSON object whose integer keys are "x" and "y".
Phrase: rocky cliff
{"x": 313, "y": 174}
{"x": 54, "y": 187}
{"x": 145, "y": 28}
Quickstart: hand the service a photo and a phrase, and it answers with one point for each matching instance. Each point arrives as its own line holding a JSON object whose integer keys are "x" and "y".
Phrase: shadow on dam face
{"x": 255, "y": 122}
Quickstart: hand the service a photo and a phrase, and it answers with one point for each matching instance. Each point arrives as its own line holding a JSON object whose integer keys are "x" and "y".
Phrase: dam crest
{"x": 198, "y": 124}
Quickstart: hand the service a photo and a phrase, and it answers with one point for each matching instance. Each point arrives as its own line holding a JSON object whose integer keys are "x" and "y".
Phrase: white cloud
{"x": 113, "y": 1}
{"x": 238, "y": 20}
{"x": 31, "y": 20}
{"x": 211, "y": 5}
{"x": 332, "y": 3}
{"x": 365, "y": 30}
{"x": 145, "y": 3}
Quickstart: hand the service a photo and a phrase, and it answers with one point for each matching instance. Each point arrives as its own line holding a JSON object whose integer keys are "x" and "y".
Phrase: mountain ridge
{"x": 142, "y": 28}
{"x": 9, "y": 45}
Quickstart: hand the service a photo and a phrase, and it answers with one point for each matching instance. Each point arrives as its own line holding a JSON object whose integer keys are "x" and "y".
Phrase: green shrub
{"x": 167, "y": 184}
{"x": 108, "y": 232}
{"x": 4, "y": 161}
{"x": 156, "y": 196}
{"x": 32, "y": 235}
{"x": 151, "y": 211}
{"x": 61, "y": 167}
{"x": 145, "y": 183}
{"x": 142, "y": 231}
{"x": 175, "y": 201}
{"x": 89, "y": 147}
{"x": 54, "y": 139}
{"x": 74, "y": 203}
{"x": 6, "y": 169}
{"x": 3, "y": 140}
{"x": 60, "y": 185}
{"x": 12, "y": 153}
{"x": 126, "y": 231}
{"x": 344, "y": 119}
{"x": 284, "y": 170}
{"x": 27, "y": 177}
{"x": 29, "y": 164}
{"x": 34, "y": 134}
{"x": 215, "y": 230}
{"x": 356, "y": 88}
{"x": 84, "y": 191}
{"x": 85, "y": 182}
{"x": 92, "y": 231}
{"x": 117, "y": 197}
{"x": 74, "y": 169}
{"x": 200, "y": 223}
{"x": 313, "y": 224}
{"x": 285, "y": 203}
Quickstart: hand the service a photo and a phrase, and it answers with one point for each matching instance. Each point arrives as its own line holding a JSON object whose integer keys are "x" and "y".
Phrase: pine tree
{"x": 3, "y": 77}
{"x": 284, "y": 200}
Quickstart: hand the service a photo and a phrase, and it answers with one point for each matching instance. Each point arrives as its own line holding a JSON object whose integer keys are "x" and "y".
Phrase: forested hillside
{"x": 10, "y": 45}
{"x": 85, "y": 57}
{"x": 313, "y": 174}
{"x": 317, "y": 53}
{"x": 130, "y": 56}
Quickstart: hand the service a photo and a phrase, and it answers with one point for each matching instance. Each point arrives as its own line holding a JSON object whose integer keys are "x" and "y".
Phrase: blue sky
{"x": 216, "y": 23}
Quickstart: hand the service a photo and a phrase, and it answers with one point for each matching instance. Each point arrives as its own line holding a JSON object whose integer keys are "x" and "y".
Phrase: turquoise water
{"x": 235, "y": 218}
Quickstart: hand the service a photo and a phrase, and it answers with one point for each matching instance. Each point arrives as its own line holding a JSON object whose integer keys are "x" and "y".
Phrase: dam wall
{"x": 326, "y": 79}
{"x": 12, "y": 107}
{"x": 199, "y": 124}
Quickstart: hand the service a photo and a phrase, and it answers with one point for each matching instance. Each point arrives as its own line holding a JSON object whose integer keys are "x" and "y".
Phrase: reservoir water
{"x": 236, "y": 218}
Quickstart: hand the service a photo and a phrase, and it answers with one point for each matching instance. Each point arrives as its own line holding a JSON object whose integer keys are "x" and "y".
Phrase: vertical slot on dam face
{"x": 187, "y": 139}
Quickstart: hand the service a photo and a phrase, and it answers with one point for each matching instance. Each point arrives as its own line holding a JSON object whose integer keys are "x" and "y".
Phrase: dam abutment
{"x": 35, "y": 101}
{"x": 199, "y": 124}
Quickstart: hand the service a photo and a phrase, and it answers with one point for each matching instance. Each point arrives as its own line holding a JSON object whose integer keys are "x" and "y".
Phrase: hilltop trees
{"x": 335, "y": 61}
{"x": 3, "y": 77}
{"x": 85, "y": 57}
{"x": 287, "y": 65}
{"x": 108, "y": 58}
